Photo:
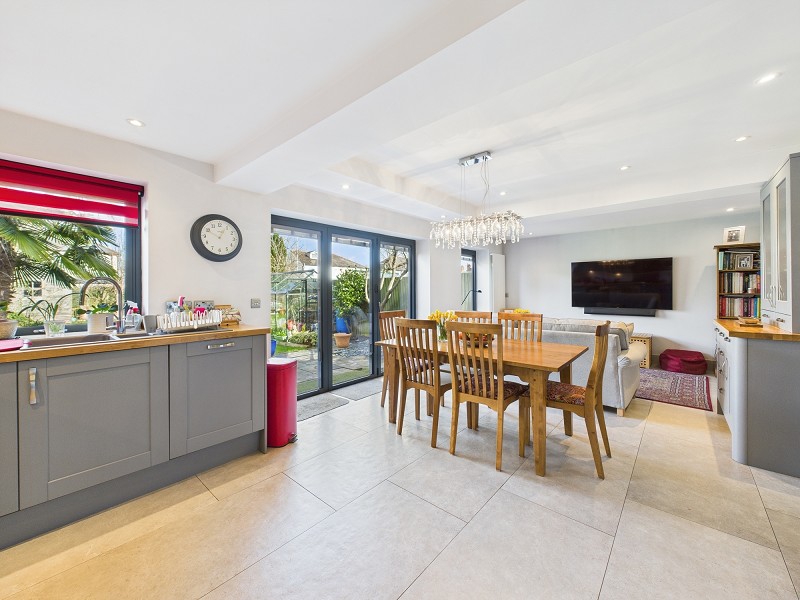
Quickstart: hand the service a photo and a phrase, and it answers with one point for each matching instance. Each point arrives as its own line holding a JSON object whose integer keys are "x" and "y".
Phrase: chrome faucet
{"x": 120, "y": 327}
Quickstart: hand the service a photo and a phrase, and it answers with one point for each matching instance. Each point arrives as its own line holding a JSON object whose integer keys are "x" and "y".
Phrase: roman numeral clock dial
{"x": 216, "y": 237}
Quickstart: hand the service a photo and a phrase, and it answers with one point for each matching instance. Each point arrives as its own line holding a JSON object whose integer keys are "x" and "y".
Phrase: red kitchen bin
{"x": 281, "y": 401}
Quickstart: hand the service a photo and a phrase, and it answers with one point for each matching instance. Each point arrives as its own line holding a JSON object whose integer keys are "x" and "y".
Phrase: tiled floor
{"x": 353, "y": 510}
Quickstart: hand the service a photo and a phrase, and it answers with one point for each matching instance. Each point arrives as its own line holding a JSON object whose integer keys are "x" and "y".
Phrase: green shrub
{"x": 307, "y": 338}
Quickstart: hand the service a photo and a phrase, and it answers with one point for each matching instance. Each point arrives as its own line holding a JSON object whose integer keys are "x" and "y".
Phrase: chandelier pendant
{"x": 496, "y": 228}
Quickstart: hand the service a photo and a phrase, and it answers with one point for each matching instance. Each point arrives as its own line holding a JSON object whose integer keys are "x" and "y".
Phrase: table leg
{"x": 539, "y": 417}
{"x": 565, "y": 375}
{"x": 393, "y": 373}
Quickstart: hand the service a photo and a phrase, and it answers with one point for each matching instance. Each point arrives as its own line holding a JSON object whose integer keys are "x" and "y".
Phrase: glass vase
{"x": 442, "y": 332}
{"x": 55, "y": 327}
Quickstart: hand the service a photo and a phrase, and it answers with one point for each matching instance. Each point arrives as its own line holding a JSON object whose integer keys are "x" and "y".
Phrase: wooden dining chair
{"x": 586, "y": 402}
{"x": 526, "y": 327}
{"x": 473, "y": 316}
{"x": 477, "y": 372}
{"x": 387, "y": 331}
{"x": 419, "y": 368}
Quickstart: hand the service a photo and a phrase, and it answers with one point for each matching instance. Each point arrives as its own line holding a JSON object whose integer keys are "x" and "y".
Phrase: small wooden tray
{"x": 748, "y": 322}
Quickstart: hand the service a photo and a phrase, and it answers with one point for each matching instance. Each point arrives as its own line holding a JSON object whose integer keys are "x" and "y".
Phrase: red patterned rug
{"x": 675, "y": 388}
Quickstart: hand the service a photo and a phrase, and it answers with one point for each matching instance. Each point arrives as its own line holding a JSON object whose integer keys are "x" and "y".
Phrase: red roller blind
{"x": 35, "y": 191}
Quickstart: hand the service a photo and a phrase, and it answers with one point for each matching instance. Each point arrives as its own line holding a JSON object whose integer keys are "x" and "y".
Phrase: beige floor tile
{"x": 344, "y": 473}
{"x": 445, "y": 416}
{"x": 779, "y": 492}
{"x": 315, "y": 436}
{"x": 657, "y": 555}
{"x": 366, "y": 414}
{"x": 188, "y": 558}
{"x": 516, "y": 549}
{"x": 461, "y": 484}
{"x": 700, "y": 482}
{"x": 690, "y": 424}
{"x": 626, "y": 430}
{"x": 373, "y": 548}
{"x": 787, "y": 530}
{"x": 571, "y": 486}
{"x": 45, "y": 556}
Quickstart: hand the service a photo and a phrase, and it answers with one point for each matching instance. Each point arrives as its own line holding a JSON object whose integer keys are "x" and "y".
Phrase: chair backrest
{"x": 526, "y": 327}
{"x": 594, "y": 385}
{"x": 418, "y": 343}
{"x": 386, "y": 323}
{"x": 475, "y": 351}
{"x": 474, "y": 316}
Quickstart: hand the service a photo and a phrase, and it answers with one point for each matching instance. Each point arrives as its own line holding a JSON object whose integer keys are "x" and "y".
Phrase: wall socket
{"x": 255, "y": 302}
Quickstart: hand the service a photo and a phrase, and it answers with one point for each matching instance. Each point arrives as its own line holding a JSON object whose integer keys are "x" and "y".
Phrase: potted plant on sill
{"x": 53, "y": 326}
{"x": 8, "y": 327}
{"x": 97, "y": 316}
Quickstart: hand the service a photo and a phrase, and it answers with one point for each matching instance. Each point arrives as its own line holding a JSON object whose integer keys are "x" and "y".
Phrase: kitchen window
{"x": 58, "y": 229}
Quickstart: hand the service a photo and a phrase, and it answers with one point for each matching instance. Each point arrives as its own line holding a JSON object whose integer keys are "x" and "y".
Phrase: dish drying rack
{"x": 185, "y": 321}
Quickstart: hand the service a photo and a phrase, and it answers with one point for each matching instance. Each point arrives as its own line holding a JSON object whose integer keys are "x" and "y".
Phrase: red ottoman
{"x": 683, "y": 361}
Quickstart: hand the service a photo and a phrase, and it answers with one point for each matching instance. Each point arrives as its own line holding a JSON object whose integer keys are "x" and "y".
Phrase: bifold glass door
{"x": 294, "y": 309}
{"x": 352, "y": 307}
{"x": 328, "y": 286}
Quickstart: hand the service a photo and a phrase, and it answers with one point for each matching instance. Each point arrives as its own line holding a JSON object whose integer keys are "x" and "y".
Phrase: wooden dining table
{"x": 532, "y": 362}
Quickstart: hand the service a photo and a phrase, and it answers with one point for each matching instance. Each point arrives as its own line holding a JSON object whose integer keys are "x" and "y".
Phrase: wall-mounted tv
{"x": 637, "y": 286}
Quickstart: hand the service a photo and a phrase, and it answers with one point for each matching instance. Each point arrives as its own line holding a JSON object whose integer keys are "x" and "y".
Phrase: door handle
{"x": 32, "y": 380}
{"x": 218, "y": 346}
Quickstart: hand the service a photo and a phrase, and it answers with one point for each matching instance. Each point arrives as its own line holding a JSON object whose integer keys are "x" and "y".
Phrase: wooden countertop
{"x": 129, "y": 344}
{"x": 765, "y": 332}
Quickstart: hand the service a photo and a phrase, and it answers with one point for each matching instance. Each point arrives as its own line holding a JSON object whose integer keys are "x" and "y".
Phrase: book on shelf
{"x": 728, "y": 260}
{"x": 739, "y": 282}
{"x": 739, "y": 307}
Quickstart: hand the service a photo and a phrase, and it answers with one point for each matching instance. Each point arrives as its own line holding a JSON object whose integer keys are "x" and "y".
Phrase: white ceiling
{"x": 386, "y": 96}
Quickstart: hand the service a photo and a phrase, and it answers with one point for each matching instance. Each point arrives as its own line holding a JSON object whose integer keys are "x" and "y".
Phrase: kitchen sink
{"x": 66, "y": 340}
{"x": 33, "y": 343}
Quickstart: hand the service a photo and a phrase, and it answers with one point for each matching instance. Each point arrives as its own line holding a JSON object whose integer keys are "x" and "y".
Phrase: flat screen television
{"x": 637, "y": 286}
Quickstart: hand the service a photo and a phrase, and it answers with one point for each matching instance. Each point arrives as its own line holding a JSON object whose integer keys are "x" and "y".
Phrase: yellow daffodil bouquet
{"x": 441, "y": 318}
{"x": 521, "y": 311}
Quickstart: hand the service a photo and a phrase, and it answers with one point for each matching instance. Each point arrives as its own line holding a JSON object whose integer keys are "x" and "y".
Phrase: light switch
{"x": 255, "y": 302}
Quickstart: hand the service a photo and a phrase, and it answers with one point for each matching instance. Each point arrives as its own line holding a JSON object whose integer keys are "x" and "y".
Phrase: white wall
{"x": 538, "y": 273}
{"x": 438, "y": 278}
{"x": 179, "y": 190}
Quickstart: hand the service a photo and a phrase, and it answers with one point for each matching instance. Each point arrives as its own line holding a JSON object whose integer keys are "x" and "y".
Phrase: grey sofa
{"x": 621, "y": 375}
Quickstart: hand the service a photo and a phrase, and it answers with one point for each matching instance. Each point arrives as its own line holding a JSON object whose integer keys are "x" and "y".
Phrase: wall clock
{"x": 216, "y": 237}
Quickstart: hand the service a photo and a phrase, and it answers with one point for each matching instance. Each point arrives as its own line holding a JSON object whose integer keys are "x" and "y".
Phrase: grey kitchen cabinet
{"x": 90, "y": 418}
{"x": 217, "y": 391}
{"x": 9, "y": 487}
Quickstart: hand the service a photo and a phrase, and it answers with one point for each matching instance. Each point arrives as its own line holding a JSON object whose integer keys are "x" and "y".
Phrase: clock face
{"x": 216, "y": 237}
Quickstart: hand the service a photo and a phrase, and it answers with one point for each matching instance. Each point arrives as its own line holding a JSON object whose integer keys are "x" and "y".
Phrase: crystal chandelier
{"x": 483, "y": 230}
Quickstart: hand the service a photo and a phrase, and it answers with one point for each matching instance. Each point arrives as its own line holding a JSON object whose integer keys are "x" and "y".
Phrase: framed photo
{"x": 744, "y": 261}
{"x": 733, "y": 235}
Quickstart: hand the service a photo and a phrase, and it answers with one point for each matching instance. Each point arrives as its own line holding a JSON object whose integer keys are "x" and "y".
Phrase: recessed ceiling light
{"x": 742, "y": 138}
{"x": 444, "y": 217}
{"x": 135, "y": 122}
{"x": 731, "y": 209}
{"x": 345, "y": 186}
{"x": 767, "y": 78}
{"x": 502, "y": 193}
{"x": 624, "y": 167}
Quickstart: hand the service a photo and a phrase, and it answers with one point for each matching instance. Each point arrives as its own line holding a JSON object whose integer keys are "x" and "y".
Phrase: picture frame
{"x": 733, "y": 235}
{"x": 744, "y": 260}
